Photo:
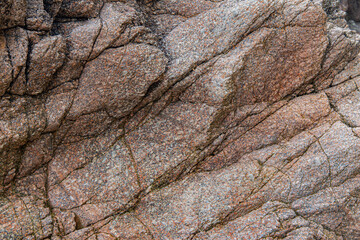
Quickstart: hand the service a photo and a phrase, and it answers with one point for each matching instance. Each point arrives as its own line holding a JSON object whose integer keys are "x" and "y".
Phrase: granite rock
{"x": 178, "y": 119}
{"x": 13, "y": 13}
{"x": 6, "y": 66}
{"x": 80, "y": 9}
{"x": 46, "y": 57}
{"x": 125, "y": 86}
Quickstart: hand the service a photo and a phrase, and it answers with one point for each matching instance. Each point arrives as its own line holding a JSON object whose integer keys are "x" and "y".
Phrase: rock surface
{"x": 179, "y": 119}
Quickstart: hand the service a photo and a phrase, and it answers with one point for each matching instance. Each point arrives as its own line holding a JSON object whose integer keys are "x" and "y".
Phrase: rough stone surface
{"x": 78, "y": 9}
{"x": 114, "y": 18}
{"x": 37, "y": 18}
{"x": 18, "y": 44}
{"x": 46, "y": 58}
{"x": 6, "y": 68}
{"x": 179, "y": 119}
{"x": 129, "y": 71}
{"x": 12, "y": 13}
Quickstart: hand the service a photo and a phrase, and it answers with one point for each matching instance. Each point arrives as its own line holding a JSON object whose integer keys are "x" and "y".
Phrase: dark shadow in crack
{"x": 352, "y": 8}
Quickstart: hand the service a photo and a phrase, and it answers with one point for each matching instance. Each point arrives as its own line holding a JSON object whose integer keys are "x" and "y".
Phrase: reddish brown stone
{"x": 45, "y": 59}
{"x": 129, "y": 72}
{"x": 114, "y": 18}
{"x": 37, "y": 18}
{"x": 18, "y": 44}
{"x": 169, "y": 119}
{"x": 82, "y": 8}
{"x": 12, "y": 13}
{"x": 6, "y": 68}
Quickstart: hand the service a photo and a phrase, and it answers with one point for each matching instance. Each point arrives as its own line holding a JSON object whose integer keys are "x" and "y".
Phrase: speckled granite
{"x": 179, "y": 119}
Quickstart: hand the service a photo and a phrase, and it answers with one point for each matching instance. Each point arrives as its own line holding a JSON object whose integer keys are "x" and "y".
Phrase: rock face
{"x": 179, "y": 119}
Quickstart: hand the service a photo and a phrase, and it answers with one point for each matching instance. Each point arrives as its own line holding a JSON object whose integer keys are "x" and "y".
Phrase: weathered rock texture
{"x": 179, "y": 119}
